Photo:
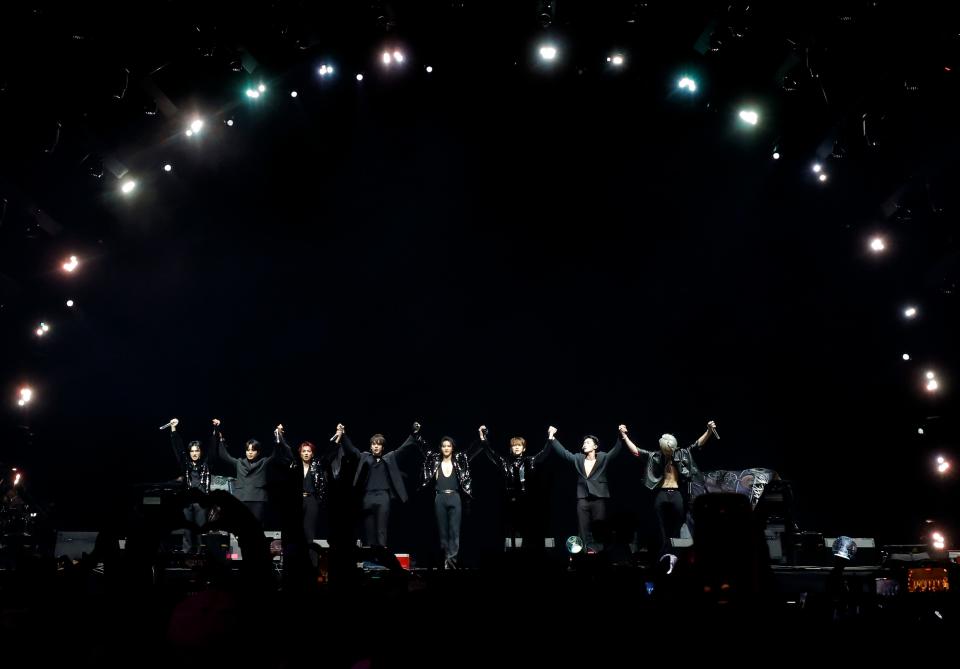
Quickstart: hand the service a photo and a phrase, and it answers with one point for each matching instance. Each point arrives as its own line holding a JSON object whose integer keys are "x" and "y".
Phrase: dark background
{"x": 495, "y": 242}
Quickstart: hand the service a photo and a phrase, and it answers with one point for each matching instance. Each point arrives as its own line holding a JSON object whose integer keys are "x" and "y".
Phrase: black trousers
{"x": 669, "y": 507}
{"x": 590, "y": 511}
{"x": 196, "y": 514}
{"x": 376, "y": 517}
{"x": 311, "y": 521}
{"x": 449, "y": 512}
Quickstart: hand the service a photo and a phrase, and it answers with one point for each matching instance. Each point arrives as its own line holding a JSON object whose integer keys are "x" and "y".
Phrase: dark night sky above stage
{"x": 489, "y": 243}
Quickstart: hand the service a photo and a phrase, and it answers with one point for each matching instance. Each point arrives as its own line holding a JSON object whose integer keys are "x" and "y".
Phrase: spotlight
{"x": 933, "y": 385}
{"x": 168, "y": 167}
{"x": 548, "y": 52}
{"x": 39, "y": 332}
{"x": 906, "y": 357}
{"x": 938, "y": 541}
{"x": 359, "y": 77}
{"x": 776, "y": 155}
{"x": 398, "y": 56}
{"x": 942, "y": 465}
{"x": 128, "y": 186}
{"x": 749, "y": 116}
{"x": 196, "y": 125}
{"x": 429, "y": 69}
{"x": 262, "y": 88}
{"x": 919, "y": 430}
{"x": 688, "y": 84}
{"x": 817, "y": 167}
{"x": 189, "y": 133}
{"x": 386, "y": 57}
{"x": 229, "y": 122}
{"x": 325, "y": 70}
{"x": 253, "y": 93}
{"x": 877, "y": 244}
{"x": 71, "y": 264}
{"x": 69, "y": 303}
{"x": 931, "y": 375}
{"x": 26, "y": 394}
{"x": 910, "y": 312}
{"x": 293, "y": 94}
{"x": 822, "y": 177}
{"x": 616, "y": 60}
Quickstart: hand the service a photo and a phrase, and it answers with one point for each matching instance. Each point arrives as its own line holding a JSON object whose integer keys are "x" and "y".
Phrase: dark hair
{"x": 378, "y": 439}
{"x": 595, "y": 440}
{"x": 253, "y": 443}
{"x": 192, "y": 444}
{"x": 450, "y": 439}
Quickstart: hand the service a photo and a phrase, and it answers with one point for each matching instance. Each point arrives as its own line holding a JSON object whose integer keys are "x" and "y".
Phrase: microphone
{"x": 713, "y": 431}
{"x": 170, "y": 424}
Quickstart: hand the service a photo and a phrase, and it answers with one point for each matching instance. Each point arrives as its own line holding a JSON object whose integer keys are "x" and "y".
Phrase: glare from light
{"x": 940, "y": 460}
{"x": 359, "y": 77}
{"x": 128, "y": 186}
{"x": 776, "y": 155}
{"x": 919, "y": 430}
{"x": 293, "y": 94}
{"x": 39, "y": 332}
{"x": 168, "y": 167}
{"x": 689, "y": 84}
{"x": 931, "y": 375}
{"x": 933, "y": 385}
{"x": 398, "y": 56}
{"x": 69, "y": 303}
{"x": 230, "y": 122}
{"x": 71, "y": 264}
{"x": 26, "y": 394}
{"x": 817, "y": 167}
{"x": 877, "y": 244}
{"x": 822, "y": 177}
{"x": 196, "y": 125}
{"x": 189, "y": 133}
{"x": 910, "y": 312}
{"x": 253, "y": 93}
{"x": 548, "y": 52}
{"x": 749, "y": 116}
{"x": 429, "y": 69}
{"x": 906, "y": 357}
{"x": 943, "y": 467}
{"x": 616, "y": 60}
{"x": 386, "y": 57}
{"x": 325, "y": 70}
{"x": 262, "y": 88}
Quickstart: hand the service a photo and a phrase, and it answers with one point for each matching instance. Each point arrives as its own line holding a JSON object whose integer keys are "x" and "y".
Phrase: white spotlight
{"x": 359, "y": 77}
{"x": 931, "y": 375}
{"x": 386, "y": 57}
{"x": 822, "y": 177}
{"x": 943, "y": 467}
{"x": 262, "y": 88}
{"x": 44, "y": 327}
{"x": 253, "y": 93}
{"x": 189, "y": 133}
{"x": 906, "y": 357}
{"x": 39, "y": 332}
{"x": 616, "y": 60}
{"x": 398, "y": 56}
{"x": 293, "y": 94}
{"x": 919, "y": 430}
{"x": 940, "y": 460}
{"x": 910, "y": 312}
{"x": 230, "y": 122}
{"x": 688, "y": 84}
{"x": 817, "y": 167}
{"x": 548, "y": 52}
{"x": 69, "y": 303}
{"x": 71, "y": 264}
{"x": 128, "y": 186}
{"x": 933, "y": 385}
{"x": 168, "y": 167}
{"x": 196, "y": 125}
{"x": 749, "y": 116}
{"x": 429, "y": 69}
{"x": 325, "y": 70}
{"x": 877, "y": 244}
{"x": 776, "y": 155}
{"x": 26, "y": 394}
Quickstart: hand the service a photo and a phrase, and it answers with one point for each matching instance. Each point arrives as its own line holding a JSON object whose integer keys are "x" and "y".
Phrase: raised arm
{"x": 632, "y": 447}
{"x": 218, "y": 444}
{"x": 554, "y": 443}
{"x": 177, "y": 443}
{"x": 702, "y": 439}
{"x": 477, "y": 447}
{"x": 286, "y": 453}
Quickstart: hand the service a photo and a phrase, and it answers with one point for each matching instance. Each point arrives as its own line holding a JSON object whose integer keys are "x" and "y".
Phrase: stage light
{"x": 938, "y": 541}
{"x": 39, "y": 332}
{"x": 398, "y": 56}
{"x": 262, "y": 88}
{"x": 17, "y": 479}
{"x": 229, "y": 122}
{"x": 26, "y": 395}
{"x": 749, "y": 116}
{"x": 69, "y": 303}
{"x": 168, "y": 167}
{"x": 931, "y": 375}
{"x": 253, "y": 93}
{"x": 359, "y": 77}
{"x": 822, "y": 177}
{"x": 910, "y": 312}
{"x": 919, "y": 430}
{"x": 776, "y": 155}
{"x": 933, "y": 385}
{"x": 906, "y": 357}
{"x": 128, "y": 186}
{"x": 616, "y": 60}
{"x": 189, "y": 133}
{"x": 429, "y": 69}
{"x": 71, "y": 264}
{"x": 943, "y": 466}
{"x": 817, "y": 168}
{"x": 196, "y": 126}
{"x": 845, "y": 548}
{"x": 325, "y": 70}
{"x": 877, "y": 245}
{"x": 386, "y": 57}
{"x": 293, "y": 94}
{"x": 548, "y": 52}
{"x": 688, "y": 84}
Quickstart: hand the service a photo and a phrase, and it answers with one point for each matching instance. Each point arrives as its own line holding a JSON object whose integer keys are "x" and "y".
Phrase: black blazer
{"x": 596, "y": 484}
